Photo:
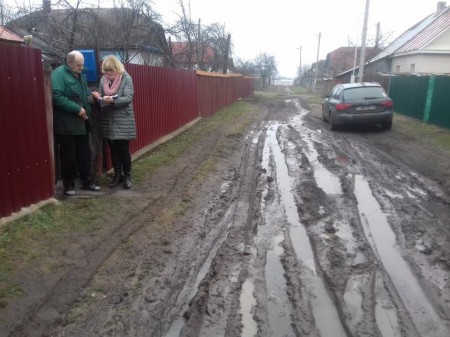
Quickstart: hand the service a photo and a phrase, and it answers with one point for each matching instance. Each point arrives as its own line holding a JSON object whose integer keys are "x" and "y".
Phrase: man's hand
{"x": 83, "y": 114}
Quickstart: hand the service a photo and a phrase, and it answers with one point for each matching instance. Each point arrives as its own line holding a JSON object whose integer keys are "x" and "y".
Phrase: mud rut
{"x": 307, "y": 233}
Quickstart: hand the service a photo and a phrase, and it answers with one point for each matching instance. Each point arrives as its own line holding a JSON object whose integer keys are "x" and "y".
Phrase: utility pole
{"x": 362, "y": 54}
{"x": 2, "y": 17}
{"x": 317, "y": 62}
{"x": 227, "y": 51}
{"x": 300, "y": 67}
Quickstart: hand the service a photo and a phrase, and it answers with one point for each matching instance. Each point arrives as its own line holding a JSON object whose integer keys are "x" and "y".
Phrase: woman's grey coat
{"x": 117, "y": 120}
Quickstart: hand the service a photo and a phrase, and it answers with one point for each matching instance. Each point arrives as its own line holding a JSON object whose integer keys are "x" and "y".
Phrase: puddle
{"x": 326, "y": 180}
{"x": 278, "y": 304}
{"x": 353, "y": 299}
{"x": 248, "y": 303}
{"x": 325, "y": 313}
{"x": 383, "y": 241}
{"x": 385, "y": 311}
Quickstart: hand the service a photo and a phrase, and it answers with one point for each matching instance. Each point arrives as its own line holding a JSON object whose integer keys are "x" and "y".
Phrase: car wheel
{"x": 387, "y": 125}
{"x": 330, "y": 120}
{"x": 323, "y": 114}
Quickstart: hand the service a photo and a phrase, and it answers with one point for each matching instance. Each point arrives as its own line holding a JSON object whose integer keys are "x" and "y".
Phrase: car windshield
{"x": 364, "y": 93}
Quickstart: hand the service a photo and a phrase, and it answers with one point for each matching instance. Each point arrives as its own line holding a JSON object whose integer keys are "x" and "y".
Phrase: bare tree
{"x": 130, "y": 29}
{"x": 197, "y": 46}
{"x": 267, "y": 68}
{"x": 245, "y": 67}
{"x": 186, "y": 32}
{"x": 220, "y": 41}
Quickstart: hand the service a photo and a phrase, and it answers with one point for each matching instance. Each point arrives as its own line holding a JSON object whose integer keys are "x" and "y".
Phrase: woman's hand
{"x": 108, "y": 99}
{"x": 96, "y": 95}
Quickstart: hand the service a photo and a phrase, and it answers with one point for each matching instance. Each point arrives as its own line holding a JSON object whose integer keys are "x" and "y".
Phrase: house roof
{"x": 7, "y": 35}
{"x": 49, "y": 51}
{"x": 418, "y": 35}
{"x": 344, "y": 57}
{"x": 52, "y": 30}
{"x": 439, "y": 25}
{"x": 180, "y": 50}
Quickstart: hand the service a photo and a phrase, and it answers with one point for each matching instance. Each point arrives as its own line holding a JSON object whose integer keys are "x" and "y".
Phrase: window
{"x": 412, "y": 68}
{"x": 364, "y": 93}
{"x": 336, "y": 93}
{"x": 397, "y": 68}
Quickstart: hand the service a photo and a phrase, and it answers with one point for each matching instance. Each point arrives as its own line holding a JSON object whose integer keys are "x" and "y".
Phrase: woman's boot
{"x": 127, "y": 181}
{"x": 117, "y": 179}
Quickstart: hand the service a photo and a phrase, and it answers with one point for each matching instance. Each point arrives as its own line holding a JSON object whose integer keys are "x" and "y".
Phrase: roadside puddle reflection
{"x": 325, "y": 179}
{"x": 325, "y": 314}
{"x": 278, "y": 304}
{"x": 380, "y": 235}
{"x": 248, "y": 304}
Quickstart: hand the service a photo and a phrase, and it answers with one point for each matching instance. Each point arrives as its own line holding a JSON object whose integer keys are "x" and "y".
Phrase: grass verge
{"x": 428, "y": 133}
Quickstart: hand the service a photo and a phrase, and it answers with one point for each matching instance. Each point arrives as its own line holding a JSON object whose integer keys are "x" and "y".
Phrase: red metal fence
{"x": 216, "y": 91}
{"x": 26, "y": 164}
{"x": 165, "y": 100}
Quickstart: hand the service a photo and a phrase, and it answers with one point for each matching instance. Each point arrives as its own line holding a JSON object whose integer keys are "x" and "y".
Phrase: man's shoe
{"x": 70, "y": 191}
{"x": 91, "y": 187}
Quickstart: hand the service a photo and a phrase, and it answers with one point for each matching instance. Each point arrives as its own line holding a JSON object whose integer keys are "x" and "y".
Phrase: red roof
{"x": 430, "y": 33}
{"x": 181, "y": 49}
{"x": 5, "y": 34}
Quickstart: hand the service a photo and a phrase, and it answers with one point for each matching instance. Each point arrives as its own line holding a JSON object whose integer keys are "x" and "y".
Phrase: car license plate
{"x": 366, "y": 108}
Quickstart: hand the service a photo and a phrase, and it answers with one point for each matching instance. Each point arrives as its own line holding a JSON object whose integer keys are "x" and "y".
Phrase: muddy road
{"x": 299, "y": 231}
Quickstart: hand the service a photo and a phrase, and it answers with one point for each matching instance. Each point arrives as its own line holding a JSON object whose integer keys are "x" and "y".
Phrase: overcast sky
{"x": 280, "y": 27}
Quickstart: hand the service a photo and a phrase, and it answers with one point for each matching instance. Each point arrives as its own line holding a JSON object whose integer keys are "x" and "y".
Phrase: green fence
{"x": 426, "y": 98}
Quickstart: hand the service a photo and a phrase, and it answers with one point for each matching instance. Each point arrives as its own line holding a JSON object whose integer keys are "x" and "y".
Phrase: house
{"x": 422, "y": 49}
{"x": 50, "y": 52}
{"x": 126, "y": 32}
{"x": 8, "y": 37}
{"x": 344, "y": 58}
{"x": 204, "y": 57}
{"x": 191, "y": 57}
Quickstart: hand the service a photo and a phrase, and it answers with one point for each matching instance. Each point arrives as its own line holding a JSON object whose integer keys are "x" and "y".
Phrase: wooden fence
{"x": 166, "y": 100}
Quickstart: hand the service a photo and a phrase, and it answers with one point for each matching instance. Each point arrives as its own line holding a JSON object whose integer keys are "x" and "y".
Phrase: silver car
{"x": 358, "y": 103}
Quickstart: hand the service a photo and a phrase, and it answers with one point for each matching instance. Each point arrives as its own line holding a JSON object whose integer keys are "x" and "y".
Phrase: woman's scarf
{"x": 111, "y": 88}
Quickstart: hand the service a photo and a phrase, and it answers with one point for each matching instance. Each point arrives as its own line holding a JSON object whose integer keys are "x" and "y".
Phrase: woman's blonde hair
{"x": 112, "y": 62}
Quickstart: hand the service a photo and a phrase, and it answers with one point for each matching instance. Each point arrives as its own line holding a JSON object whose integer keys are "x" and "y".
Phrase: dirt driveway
{"x": 281, "y": 229}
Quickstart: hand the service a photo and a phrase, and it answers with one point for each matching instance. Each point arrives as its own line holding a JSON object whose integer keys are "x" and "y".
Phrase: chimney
{"x": 440, "y": 6}
{"x": 46, "y": 6}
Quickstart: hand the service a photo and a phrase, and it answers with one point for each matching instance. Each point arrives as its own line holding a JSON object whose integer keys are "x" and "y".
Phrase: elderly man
{"x": 71, "y": 113}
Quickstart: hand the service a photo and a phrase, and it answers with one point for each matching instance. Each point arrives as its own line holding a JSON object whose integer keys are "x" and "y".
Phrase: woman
{"x": 117, "y": 123}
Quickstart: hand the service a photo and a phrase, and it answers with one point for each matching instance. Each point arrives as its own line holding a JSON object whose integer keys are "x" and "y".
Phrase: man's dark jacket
{"x": 70, "y": 94}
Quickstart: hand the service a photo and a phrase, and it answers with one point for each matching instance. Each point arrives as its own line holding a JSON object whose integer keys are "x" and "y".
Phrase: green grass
{"x": 30, "y": 239}
{"x": 428, "y": 133}
{"x": 175, "y": 147}
{"x": 298, "y": 90}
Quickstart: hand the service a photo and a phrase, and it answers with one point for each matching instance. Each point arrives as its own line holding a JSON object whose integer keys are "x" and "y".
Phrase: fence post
{"x": 426, "y": 114}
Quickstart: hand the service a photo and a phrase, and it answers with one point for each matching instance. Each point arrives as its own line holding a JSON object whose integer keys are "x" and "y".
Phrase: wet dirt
{"x": 299, "y": 231}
